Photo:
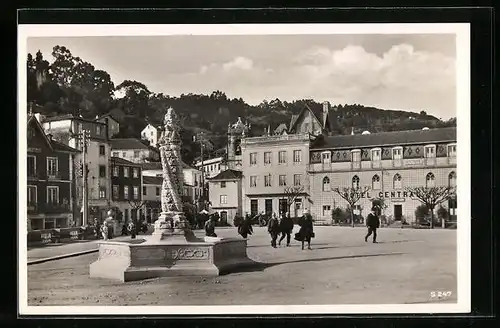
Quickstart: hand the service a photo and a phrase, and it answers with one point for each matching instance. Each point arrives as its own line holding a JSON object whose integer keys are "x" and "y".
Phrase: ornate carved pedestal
{"x": 127, "y": 261}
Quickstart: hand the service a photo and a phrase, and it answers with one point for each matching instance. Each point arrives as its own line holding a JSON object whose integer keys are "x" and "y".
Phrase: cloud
{"x": 401, "y": 78}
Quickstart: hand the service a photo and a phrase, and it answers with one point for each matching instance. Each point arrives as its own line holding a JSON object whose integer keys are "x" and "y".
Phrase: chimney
{"x": 326, "y": 107}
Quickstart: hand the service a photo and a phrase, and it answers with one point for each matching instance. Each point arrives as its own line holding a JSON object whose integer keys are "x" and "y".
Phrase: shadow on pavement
{"x": 260, "y": 266}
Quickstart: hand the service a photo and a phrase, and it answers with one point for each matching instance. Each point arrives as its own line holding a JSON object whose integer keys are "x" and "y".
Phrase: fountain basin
{"x": 143, "y": 259}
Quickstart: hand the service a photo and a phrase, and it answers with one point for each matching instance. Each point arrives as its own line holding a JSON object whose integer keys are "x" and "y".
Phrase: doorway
{"x": 283, "y": 206}
{"x": 269, "y": 206}
{"x": 398, "y": 212}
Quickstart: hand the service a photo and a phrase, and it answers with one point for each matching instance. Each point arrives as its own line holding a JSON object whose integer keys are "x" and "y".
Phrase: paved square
{"x": 404, "y": 267}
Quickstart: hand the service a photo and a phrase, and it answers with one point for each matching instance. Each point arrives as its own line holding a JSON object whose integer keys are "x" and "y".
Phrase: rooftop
{"x": 121, "y": 161}
{"x": 62, "y": 147}
{"x": 68, "y": 117}
{"x": 394, "y": 138}
{"x": 228, "y": 175}
{"x": 151, "y": 166}
{"x": 127, "y": 143}
{"x": 152, "y": 180}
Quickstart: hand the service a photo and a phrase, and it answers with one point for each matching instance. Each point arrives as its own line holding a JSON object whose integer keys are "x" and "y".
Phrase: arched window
{"x": 429, "y": 180}
{"x": 397, "y": 181}
{"x": 376, "y": 182}
{"x": 355, "y": 182}
{"x": 326, "y": 184}
{"x": 452, "y": 179}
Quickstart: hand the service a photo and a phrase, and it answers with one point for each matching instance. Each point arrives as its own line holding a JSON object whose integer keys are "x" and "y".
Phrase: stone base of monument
{"x": 143, "y": 259}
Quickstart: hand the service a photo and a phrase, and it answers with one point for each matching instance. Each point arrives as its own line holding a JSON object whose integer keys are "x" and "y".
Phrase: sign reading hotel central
{"x": 388, "y": 194}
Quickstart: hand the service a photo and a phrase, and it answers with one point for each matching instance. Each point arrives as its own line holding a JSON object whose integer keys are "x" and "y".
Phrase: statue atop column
{"x": 172, "y": 220}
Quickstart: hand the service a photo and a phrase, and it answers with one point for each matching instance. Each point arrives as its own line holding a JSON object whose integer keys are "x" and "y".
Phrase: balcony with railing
{"x": 57, "y": 208}
{"x": 32, "y": 207}
{"x": 33, "y": 175}
{"x": 54, "y": 175}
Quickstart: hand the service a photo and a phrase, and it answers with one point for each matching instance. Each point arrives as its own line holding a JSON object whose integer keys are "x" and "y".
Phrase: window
{"x": 98, "y": 130}
{"x": 125, "y": 192}
{"x": 223, "y": 199}
{"x": 376, "y": 155}
{"x": 116, "y": 191}
{"x": 102, "y": 150}
{"x": 267, "y": 157}
{"x": 397, "y": 153}
{"x": 152, "y": 133}
{"x": 297, "y": 156}
{"x": 267, "y": 180}
{"x": 430, "y": 151}
{"x": 376, "y": 182}
{"x": 116, "y": 154}
{"x": 325, "y": 158}
{"x": 218, "y": 167}
{"x": 253, "y": 181}
{"x": 355, "y": 182}
{"x": 126, "y": 214}
{"x": 102, "y": 171}
{"x": 397, "y": 181}
{"x": 124, "y": 154}
{"x": 326, "y": 210}
{"x": 452, "y": 179}
{"x": 282, "y": 180}
{"x": 31, "y": 166}
{"x": 356, "y": 155}
{"x": 326, "y": 184}
{"x": 253, "y": 158}
{"x": 144, "y": 190}
{"x": 254, "y": 207}
{"x": 125, "y": 171}
{"x": 51, "y": 166}
{"x": 452, "y": 150}
{"x": 282, "y": 157}
{"x": 102, "y": 192}
{"x": 52, "y": 195}
{"x": 429, "y": 180}
{"x": 136, "y": 153}
{"x": 116, "y": 171}
{"x": 136, "y": 192}
{"x": 223, "y": 184}
{"x": 32, "y": 197}
{"x": 297, "y": 179}
{"x": 135, "y": 172}
{"x": 157, "y": 191}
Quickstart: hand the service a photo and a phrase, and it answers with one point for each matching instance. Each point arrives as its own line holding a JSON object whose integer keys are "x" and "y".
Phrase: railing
{"x": 397, "y": 162}
{"x": 54, "y": 175}
{"x": 33, "y": 175}
{"x": 356, "y": 165}
{"x": 430, "y": 161}
{"x": 452, "y": 160}
{"x": 383, "y": 164}
{"x": 57, "y": 208}
{"x": 32, "y": 207}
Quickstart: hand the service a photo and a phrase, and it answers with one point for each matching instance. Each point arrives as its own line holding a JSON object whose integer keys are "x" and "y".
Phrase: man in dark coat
{"x": 245, "y": 228}
{"x": 210, "y": 227}
{"x": 286, "y": 227}
{"x": 273, "y": 227}
{"x": 372, "y": 223}
{"x": 306, "y": 231}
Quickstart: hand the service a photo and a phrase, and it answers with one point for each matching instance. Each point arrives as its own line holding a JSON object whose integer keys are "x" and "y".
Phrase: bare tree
{"x": 291, "y": 194}
{"x": 137, "y": 204}
{"x": 351, "y": 196}
{"x": 431, "y": 197}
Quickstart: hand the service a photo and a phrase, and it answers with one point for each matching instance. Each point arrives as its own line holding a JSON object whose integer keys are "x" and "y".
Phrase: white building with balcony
{"x": 386, "y": 163}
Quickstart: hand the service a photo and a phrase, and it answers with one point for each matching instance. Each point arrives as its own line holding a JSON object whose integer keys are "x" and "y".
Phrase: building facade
{"x": 113, "y": 126}
{"x": 270, "y": 165}
{"x": 50, "y": 180}
{"x": 151, "y": 134}
{"x": 133, "y": 150}
{"x": 385, "y": 164}
{"x": 126, "y": 180}
{"x": 151, "y": 195}
{"x": 67, "y": 129}
{"x": 226, "y": 195}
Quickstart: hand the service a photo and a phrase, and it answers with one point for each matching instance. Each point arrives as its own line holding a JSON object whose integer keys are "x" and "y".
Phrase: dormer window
{"x": 430, "y": 151}
{"x": 325, "y": 157}
{"x": 452, "y": 150}
{"x": 356, "y": 155}
{"x": 397, "y": 153}
{"x": 376, "y": 154}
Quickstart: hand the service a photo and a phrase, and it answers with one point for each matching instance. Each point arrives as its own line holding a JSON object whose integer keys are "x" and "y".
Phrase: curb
{"x": 59, "y": 257}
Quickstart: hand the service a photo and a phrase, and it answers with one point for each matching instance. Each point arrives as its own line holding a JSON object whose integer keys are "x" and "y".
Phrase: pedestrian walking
{"x": 210, "y": 227}
{"x": 124, "y": 230}
{"x": 132, "y": 229}
{"x": 273, "y": 228}
{"x": 97, "y": 228}
{"x": 245, "y": 227}
{"x": 372, "y": 223}
{"x": 104, "y": 231}
{"x": 286, "y": 228}
{"x": 306, "y": 231}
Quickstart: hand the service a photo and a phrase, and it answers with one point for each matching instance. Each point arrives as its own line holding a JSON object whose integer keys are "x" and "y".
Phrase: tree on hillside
{"x": 135, "y": 100}
{"x": 351, "y": 195}
{"x": 432, "y": 196}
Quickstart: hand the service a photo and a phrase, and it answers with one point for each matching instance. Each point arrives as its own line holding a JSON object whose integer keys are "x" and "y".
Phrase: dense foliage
{"x": 70, "y": 85}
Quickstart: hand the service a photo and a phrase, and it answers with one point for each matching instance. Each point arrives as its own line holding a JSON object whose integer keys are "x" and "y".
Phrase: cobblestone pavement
{"x": 404, "y": 267}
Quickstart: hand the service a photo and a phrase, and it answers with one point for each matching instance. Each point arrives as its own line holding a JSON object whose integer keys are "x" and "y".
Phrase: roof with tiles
{"x": 228, "y": 175}
{"x": 127, "y": 143}
{"x": 121, "y": 161}
{"x": 152, "y": 180}
{"x": 394, "y": 138}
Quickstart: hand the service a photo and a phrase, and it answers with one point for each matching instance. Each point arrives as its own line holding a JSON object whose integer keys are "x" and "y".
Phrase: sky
{"x": 411, "y": 72}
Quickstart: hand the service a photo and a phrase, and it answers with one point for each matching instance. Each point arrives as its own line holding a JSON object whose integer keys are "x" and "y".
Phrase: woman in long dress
{"x": 306, "y": 231}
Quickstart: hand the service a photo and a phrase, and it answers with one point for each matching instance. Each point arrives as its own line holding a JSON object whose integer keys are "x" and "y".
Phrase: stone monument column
{"x": 172, "y": 222}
